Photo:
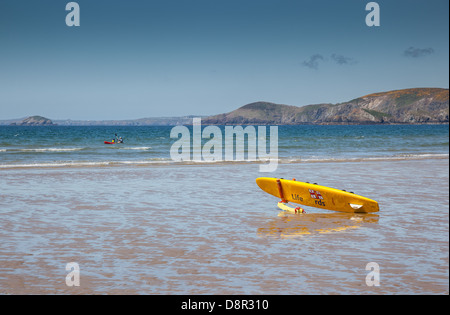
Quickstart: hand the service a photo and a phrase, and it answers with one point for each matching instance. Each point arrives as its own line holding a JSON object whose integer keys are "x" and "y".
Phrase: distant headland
{"x": 408, "y": 106}
{"x": 33, "y": 121}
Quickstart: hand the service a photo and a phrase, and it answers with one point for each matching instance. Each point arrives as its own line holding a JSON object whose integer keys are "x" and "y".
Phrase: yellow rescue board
{"x": 317, "y": 196}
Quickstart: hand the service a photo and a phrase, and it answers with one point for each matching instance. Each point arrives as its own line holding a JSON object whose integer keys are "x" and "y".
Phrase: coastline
{"x": 176, "y": 121}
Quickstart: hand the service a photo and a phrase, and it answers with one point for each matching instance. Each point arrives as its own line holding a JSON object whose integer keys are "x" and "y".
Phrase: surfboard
{"x": 313, "y": 195}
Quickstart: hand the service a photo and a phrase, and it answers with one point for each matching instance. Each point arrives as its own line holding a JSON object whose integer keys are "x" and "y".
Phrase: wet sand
{"x": 209, "y": 229}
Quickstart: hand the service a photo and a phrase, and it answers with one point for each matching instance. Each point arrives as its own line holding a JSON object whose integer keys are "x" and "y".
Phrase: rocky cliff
{"x": 419, "y": 105}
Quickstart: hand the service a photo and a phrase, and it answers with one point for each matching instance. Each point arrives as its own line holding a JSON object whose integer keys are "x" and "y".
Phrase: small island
{"x": 34, "y": 121}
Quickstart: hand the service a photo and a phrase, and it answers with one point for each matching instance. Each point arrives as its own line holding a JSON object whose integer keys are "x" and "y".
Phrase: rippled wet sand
{"x": 211, "y": 230}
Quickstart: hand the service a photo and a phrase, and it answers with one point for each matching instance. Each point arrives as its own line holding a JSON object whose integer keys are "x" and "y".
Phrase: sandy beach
{"x": 132, "y": 134}
{"x": 208, "y": 229}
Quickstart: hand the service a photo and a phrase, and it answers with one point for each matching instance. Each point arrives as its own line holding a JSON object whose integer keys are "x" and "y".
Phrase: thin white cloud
{"x": 343, "y": 60}
{"x": 414, "y": 52}
{"x": 313, "y": 61}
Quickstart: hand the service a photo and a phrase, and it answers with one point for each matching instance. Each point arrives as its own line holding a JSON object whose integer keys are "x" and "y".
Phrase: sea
{"x": 60, "y": 146}
{"x": 83, "y": 217}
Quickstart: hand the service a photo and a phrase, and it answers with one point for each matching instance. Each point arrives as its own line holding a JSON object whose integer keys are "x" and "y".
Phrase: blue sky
{"x": 145, "y": 58}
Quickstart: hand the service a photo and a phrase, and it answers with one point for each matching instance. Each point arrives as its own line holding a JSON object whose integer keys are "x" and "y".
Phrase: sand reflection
{"x": 288, "y": 225}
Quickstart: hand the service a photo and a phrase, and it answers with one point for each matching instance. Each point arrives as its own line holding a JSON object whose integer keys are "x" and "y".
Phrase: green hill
{"x": 412, "y": 106}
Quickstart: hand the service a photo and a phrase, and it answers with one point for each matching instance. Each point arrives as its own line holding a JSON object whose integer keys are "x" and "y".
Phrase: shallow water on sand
{"x": 209, "y": 229}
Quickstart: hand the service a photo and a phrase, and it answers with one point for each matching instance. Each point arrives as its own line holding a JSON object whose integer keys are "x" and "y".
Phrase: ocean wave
{"x": 364, "y": 159}
{"x": 137, "y": 148}
{"x": 168, "y": 161}
{"x": 148, "y": 162}
{"x": 38, "y": 150}
{"x": 58, "y": 164}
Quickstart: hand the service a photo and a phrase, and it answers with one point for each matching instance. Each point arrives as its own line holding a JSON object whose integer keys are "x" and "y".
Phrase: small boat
{"x": 114, "y": 140}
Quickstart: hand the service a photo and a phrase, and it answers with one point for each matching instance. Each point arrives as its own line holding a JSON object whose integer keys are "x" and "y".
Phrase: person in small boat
{"x": 117, "y": 139}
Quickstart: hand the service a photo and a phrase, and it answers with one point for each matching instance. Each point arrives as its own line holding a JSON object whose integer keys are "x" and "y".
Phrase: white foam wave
{"x": 138, "y": 148}
{"x": 166, "y": 161}
{"x": 42, "y": 150}
{"x": 364, "y": 159}
{"x": 83, "y": 164}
